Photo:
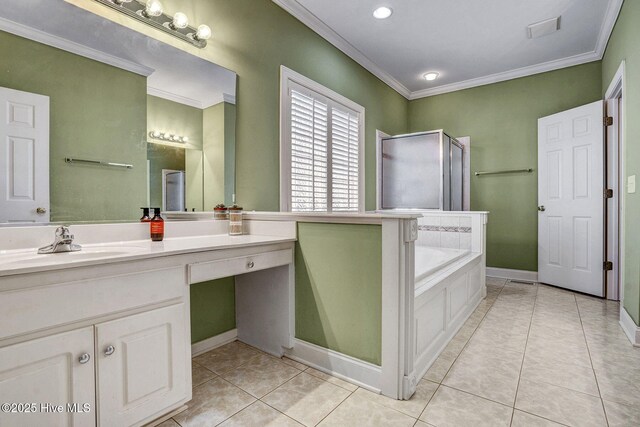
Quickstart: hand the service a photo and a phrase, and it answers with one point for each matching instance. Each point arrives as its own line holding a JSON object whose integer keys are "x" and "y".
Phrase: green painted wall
{"x": 253, "y": 38}
{"x": 213, "y": 309}
{"x": 171, "y": 117}
{"x": 214, "y": 159}
{"x": 229, "y": 152}
{"x": 623, "y": 45}
{"x": 96, "y": 112}
{"x": 340, "y": 308}
{"x": 502, "y": 121}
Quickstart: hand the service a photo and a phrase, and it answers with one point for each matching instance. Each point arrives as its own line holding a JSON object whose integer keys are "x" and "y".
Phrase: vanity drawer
{"x": 204, "y": 271}
{"x": 38, "y": 308}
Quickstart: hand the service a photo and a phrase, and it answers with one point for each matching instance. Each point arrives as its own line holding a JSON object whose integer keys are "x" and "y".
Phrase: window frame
{"x": 288, "y": 80}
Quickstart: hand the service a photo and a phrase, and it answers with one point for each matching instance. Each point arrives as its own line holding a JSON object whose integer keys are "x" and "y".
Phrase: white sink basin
{"x": 30, "y": 258}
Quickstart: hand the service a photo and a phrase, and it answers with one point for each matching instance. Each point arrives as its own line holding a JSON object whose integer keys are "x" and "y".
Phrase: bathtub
{"x": 428, "y": 260}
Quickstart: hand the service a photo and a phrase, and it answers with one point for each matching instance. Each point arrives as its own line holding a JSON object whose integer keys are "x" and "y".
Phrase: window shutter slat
{"x": 317, "y": 129}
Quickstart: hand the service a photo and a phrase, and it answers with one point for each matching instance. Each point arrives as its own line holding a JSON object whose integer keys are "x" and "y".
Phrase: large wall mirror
{"x": 98, "y": 120}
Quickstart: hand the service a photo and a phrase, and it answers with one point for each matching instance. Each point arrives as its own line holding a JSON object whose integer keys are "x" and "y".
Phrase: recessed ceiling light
{"x": 431, "y": 76}
{"x": 382, "y": 12}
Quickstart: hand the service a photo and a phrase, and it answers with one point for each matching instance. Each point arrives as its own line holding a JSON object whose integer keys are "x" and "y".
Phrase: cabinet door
{"x": 50, "y": 372}
{"x": 141, "y": 362}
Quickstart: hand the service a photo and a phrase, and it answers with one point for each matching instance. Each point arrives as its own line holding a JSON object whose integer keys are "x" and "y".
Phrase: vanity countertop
{"x": 22, "y": 261}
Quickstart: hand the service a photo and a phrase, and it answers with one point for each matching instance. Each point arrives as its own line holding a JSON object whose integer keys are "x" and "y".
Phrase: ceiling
{"x": 469, "y": 42}
{"x": 171, "y": 73}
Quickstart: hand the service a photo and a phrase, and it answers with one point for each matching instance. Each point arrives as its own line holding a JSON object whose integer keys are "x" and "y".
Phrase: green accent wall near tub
{"x": 253, "y": 38}
{"x": 623, "y": 45}
{"x": 339, "y": 288}
{"x": 213, "y": 308}
{"x": 502, "y": 121}
{"x": 97, "y": 112}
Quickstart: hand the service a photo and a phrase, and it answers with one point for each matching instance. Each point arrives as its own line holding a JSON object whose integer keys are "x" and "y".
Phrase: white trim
{"x": 614, "y": 91}
{"x": 379, "y": 137}
{"x": 544, "y": 67}
{"x": 213, "y": 342}
{"x": 160, "y": 93}
{"x": 506, "y": 273}
{"x": 73, "y": 47}
{"x": 322, "y": 29}
{"x": 229, "y": 99}
{"x": 631, "y": 330}
{"x": 317, "y": 25}
{"x": 340, "y": 365}
{"x": 288, "y": 76}
{"x": 610, "y": 19}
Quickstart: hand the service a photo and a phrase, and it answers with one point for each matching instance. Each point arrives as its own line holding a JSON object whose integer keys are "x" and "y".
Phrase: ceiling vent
{"x": 543, "y": 28}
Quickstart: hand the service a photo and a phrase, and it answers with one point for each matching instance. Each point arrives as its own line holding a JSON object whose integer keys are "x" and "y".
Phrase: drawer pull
{"x": 84, "y": 358}
{"x": 250, "y": 264}
{"x": 109, "y": 350}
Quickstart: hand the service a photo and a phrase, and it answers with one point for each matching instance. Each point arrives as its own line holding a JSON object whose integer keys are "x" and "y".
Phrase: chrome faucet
{"x": 63, "y": 243}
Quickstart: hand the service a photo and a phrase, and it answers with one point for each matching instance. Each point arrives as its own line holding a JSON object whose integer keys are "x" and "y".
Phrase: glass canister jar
{"x": 220, "y": 212}
{"x": 235, "y": 220}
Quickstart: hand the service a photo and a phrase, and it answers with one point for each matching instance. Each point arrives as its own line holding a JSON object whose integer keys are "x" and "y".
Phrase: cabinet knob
{"x": 250, "y": 264}
{"x": 84, "y": 358}
{"x": 41, "y": 211}
{"x": 542, "y": 208}
{"x": 109, "y": 350}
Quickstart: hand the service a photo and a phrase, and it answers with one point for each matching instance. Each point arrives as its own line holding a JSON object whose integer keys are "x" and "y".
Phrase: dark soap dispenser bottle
{"x": 145, "y": 215}
{"x": 157, "y": 226}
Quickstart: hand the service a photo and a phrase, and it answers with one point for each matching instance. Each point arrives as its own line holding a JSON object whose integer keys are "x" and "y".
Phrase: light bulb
{"x": 431, "y": 76}
{"x": 203, "y": 33}
{"x": 180, "y": 20}
{"x": 121, "y": 1}
{"x": 153, "y": 8}
{"x": 154, "y": 134}
{"x": 185, "y": 139}
{"x": 382, "y": 12}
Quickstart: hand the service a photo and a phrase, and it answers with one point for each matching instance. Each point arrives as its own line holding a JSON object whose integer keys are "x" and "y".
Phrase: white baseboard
{"x": 631, "y": 330}
{"x": 506, "y": 273}
{"x": 356, "y": 371}
{"x": 213, "y": 342}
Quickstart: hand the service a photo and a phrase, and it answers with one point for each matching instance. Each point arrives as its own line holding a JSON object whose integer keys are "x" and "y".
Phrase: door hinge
{"x": 608, "y": 266}
{"x": 608, "y": 121}
{"x": 608, "y": 193}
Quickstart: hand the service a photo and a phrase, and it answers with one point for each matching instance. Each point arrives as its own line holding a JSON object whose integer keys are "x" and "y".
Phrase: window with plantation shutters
{"x": 321, "y": 149}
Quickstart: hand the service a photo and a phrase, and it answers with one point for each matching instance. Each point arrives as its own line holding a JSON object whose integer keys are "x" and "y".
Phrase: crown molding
{"x": 508, "y": 75}
{"x": 73, "y": 47}
{"x": 310, "y": 20}
{"x": 610, "y": 19}
{"x": 161, "y": 93}
{"x": 314, "y": 23}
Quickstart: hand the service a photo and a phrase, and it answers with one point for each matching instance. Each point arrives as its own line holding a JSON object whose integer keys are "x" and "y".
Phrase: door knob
{"x": 41, "y": 211}
{"x": 109, "y": 350}
{"x": 542, "y": 208}
{"x": 84, "y": 358}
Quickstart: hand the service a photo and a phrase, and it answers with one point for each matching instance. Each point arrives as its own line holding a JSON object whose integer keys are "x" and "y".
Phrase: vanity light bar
{"x": 169, "y": 137}
{"x": 151, "y": 13}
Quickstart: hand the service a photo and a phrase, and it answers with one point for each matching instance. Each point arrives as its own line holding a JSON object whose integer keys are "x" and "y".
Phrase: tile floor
{"x": 530, "y": 355}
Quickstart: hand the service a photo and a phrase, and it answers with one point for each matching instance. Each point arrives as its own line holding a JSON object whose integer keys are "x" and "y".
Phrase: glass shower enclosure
{"x": 422, "y": 171}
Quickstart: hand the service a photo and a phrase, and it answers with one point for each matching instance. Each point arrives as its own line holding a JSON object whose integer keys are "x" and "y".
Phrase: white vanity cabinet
{"x": 54, "y": 370}
{"x": 114, "y": 337}
{"x": 141, "y": 365}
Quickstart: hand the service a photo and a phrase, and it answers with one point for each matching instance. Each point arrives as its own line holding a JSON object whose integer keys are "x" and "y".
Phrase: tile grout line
{"x": 524, "y": 353}
{"x": 456, "y": 358}
{"x": 595, "y": 376}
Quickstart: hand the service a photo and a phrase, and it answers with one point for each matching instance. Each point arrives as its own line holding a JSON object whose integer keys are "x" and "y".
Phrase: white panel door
{"x": 55, "y": 370}
{"x": 571, "y": 199}
{"x": 24, "y": 156}
{"x": 142, "y": 365}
